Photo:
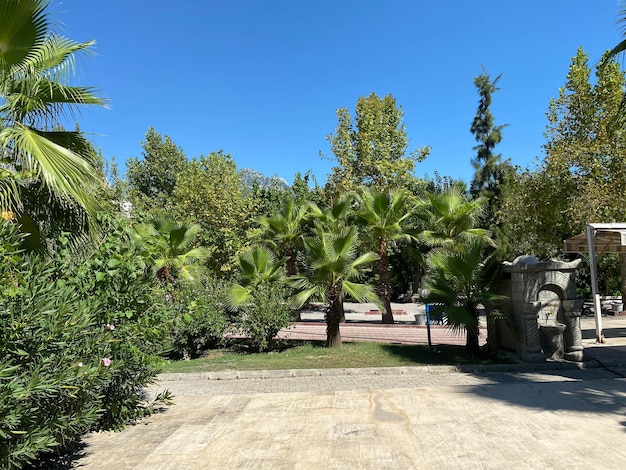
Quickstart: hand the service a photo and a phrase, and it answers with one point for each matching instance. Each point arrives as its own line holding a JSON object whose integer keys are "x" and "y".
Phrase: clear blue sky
{"x": 262, "y": 79}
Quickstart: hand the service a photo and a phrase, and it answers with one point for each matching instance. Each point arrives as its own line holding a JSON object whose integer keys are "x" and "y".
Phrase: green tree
{"x": 39, "y": 156}
{"x": 152, "y": 180}
{"x": 332, "y": 271}
{"x": 579, "y": 180}
{"x": 382, "y": 215}
{"x": 210, "y": 192}
{"x": 491, "y": 174}
{"x": 371, "y": 149}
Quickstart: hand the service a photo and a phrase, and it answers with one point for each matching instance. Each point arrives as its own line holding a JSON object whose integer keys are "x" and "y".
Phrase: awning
{"x": 598, "y": 239}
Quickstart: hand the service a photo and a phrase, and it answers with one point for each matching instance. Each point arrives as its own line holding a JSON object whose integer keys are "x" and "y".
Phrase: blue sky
{"x": 262, "y": 80}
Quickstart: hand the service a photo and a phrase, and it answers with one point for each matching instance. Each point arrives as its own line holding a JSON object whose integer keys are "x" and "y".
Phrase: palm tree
{"x": 382, "y": 215}
{"x": 452, "y": 219}
{"x": 332, "y": 269}
{"x": 458, "y": 282}
{"x": 259, "y": 266}
{"x": 166, "y": 245}
{"x": 284, "y": 231}
{"x": 621, "y": 46}
{"x": 37, "y": 152}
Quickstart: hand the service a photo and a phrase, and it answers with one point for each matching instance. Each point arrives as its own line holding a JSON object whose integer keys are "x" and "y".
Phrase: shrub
{"x": 264, "y": 315}
{"x": 78, "y": 343}
{"x": 202, "y": 317}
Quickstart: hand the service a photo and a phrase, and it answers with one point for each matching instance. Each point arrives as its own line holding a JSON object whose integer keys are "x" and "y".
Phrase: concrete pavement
{"x": 396, "y": 418}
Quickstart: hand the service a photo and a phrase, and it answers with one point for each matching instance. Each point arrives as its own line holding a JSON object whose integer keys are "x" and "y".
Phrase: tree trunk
{"x": 333, "y": 319}
{"x": 471, "y": 343}
{"x": 384, "y": 281}
{"x": 290, "y": 268}
{"x": 472, "y": 329}
{"x": 492, "y": 334}
{"x": 622, "y": 281}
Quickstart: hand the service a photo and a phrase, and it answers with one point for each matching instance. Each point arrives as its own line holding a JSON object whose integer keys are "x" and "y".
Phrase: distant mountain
{"x": 249, "y": 176}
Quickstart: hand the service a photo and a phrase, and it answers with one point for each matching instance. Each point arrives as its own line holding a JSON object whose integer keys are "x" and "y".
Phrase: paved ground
{"x": 396, "y": 418}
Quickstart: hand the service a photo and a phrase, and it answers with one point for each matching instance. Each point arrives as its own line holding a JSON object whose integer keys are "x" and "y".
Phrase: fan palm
{"x": 259, "y": 266}
{"x": 452, "y": 219}
{"x": 332, "y": 271}
{"x": 284, "y": 230}
{"x": 382, "y": 214}
{"x": 35, "y": 151}
{"x": 458, "y": 282}
{"x": 166, "y": 245}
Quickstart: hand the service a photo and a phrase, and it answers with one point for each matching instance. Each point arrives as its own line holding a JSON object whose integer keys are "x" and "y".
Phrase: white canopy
{"x": 598, "y": 238}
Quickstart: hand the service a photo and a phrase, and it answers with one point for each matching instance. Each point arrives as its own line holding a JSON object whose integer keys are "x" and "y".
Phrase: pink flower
{"x": 168, "y": 296}
{"x": 106, "y": 361}
{"x": 110, "y": 326}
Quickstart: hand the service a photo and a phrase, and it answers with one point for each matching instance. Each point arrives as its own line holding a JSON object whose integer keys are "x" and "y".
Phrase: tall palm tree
{"x": 284, "y": 231}
{"x": 458, "y": 282}
{"x": 167, "y": 245}
{"x": 382, "y": 214}
{"x": 452, "y": 218}
{"x": 332, "y": 271}
{"x": 37, "y": 153}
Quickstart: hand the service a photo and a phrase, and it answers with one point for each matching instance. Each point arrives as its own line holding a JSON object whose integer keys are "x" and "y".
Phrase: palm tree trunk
{"x": 384, "y": 281}
{"x": 472, "y": 330}
{"x": 333, "y": 318}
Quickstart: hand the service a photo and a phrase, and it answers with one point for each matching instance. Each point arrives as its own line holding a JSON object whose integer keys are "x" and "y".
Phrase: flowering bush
{"x": 78, "y": 343}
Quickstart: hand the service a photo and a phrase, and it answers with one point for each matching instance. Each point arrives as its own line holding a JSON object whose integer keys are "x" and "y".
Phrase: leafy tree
{"x": 584, "y": 168}
{"x": 332, "y": 271}
{"x": 371, "y": 149}
{"x": 210, "y": 192}
{"x": 168, "y": 246}
{"x": 153, "y": 178}
{"x": 39, "y": 156}
{"x": 382, "y": 216}
{"x": 491, "y": 174}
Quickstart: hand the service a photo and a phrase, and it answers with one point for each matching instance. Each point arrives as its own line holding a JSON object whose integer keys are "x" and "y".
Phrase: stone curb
{"x": 435, "y": 370}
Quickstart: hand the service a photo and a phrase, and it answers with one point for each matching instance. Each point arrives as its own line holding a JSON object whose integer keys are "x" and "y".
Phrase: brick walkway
{"x": 398, "y": 333}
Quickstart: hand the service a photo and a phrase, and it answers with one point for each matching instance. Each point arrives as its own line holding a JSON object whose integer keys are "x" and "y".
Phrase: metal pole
{"x": 428, "y": 325}
{"x": 594, "y": 283}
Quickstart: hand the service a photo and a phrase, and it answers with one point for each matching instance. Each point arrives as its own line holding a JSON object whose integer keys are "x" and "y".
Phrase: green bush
{"x": 78, "y": 343}
{"x": 267, "y": 312}
{"x": 202, "y": 317}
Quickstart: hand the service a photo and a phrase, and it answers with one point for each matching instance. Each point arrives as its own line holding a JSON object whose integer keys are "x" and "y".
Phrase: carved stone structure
{"x": 541, "y": 293}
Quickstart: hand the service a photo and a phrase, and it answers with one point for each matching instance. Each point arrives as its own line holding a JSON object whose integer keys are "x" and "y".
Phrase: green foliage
{"x": 264, "y": 315}
{"x": 332, "y": 269}
{"x": 200, "y": 307}
{"x": 167, "y": 246}
{"x": 152, "y": 180}
{"x": 382, "y": 216}
{"x": 116, "y": 280}
{"x": 370, "y": 149}
{"x": 451, "y": 218}
{"x": 457, "y": 282}
{"x": 210, "y": 192}
{"x": 38, "y": 153}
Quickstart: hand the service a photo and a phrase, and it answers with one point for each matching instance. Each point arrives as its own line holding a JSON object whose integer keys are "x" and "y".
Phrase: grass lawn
{"x": 313, "y": 355}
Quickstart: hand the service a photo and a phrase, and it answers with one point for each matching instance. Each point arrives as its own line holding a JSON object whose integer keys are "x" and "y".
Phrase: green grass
{"x": 313, "y": 355}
